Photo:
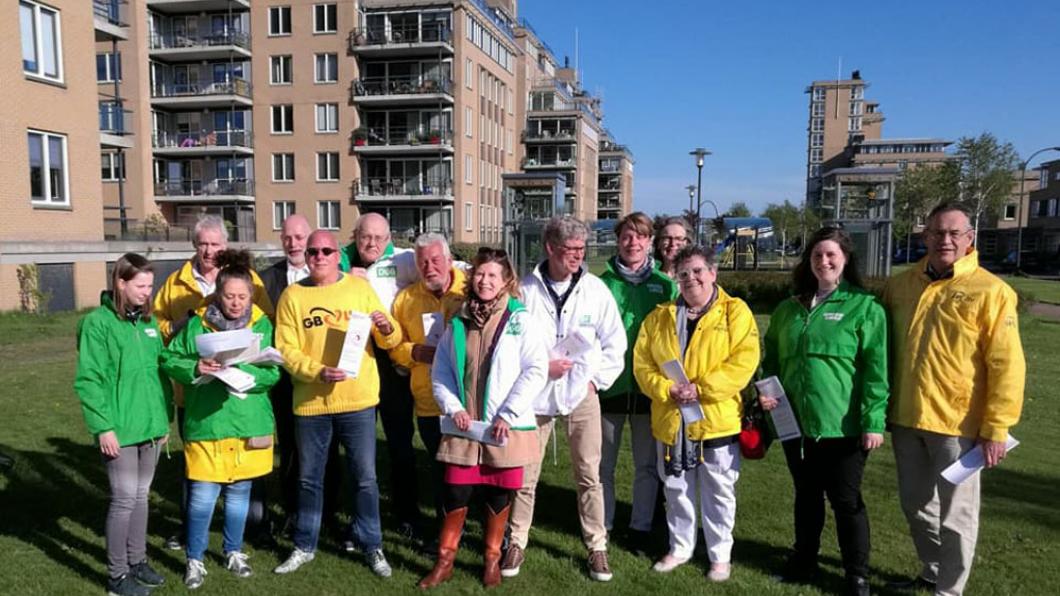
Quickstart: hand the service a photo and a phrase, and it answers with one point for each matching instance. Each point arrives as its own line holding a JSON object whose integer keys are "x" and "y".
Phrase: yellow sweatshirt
{"x": 311, "y": 324}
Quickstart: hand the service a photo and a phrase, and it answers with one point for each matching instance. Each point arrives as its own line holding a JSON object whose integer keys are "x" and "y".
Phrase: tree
{"x": 786, "y": 218}
{"x": 918, "y": 190}
{"x": 738, "y": 209}
{"x": 986, "y": 167}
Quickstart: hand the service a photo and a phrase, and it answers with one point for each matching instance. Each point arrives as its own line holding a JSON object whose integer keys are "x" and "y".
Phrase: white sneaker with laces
{"x": 195, "y": 574}
{"x": 293, "y": 562}
{"x": 377, "y": 562}
{"x": 237, "y": 564}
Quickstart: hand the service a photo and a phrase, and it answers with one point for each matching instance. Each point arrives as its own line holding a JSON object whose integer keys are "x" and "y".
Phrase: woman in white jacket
{"x": 489, "y": 367}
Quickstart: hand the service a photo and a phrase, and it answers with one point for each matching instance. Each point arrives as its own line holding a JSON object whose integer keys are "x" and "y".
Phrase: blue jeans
{"x": 202, "y": 497}
{"x": 356, "y": 432}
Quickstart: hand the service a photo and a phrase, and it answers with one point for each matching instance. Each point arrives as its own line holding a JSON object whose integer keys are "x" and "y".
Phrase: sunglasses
{"x": 327, "y": 251}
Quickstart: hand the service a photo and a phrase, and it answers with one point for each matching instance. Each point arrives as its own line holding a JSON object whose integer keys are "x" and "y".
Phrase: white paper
{"x": 784, "y": 421}
{"x": 971, "y": 462}
{"x": 479, "y": 431}
{"x": 676, "y": 373}
{"x": 269, "y": 355}
{"x": 240, "y": 382}
{"x": 225, "y": 346}
{"x": 572, "y": 346}
{"x": 353, "y": 346}
{"x": 433, "y": 327}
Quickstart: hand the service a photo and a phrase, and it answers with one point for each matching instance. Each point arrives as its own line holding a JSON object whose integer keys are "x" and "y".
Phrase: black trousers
{"x": 396, "y": 413}
{"x": 459, "y": 495}
{"x": 430, "y": 428}
{"x": 832, "y": 468}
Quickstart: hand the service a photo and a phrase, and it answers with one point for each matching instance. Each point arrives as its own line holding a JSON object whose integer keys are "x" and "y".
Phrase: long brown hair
{"x": 125, "y": 269}
{"x": 499, "y": 256}
{"x": 805, "y": 281}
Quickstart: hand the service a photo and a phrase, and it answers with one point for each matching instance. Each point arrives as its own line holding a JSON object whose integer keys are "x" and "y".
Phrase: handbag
{"x": 755, "y": 436}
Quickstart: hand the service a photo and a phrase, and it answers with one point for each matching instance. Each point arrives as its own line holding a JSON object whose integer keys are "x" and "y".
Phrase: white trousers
{"x": 716, "y": 481}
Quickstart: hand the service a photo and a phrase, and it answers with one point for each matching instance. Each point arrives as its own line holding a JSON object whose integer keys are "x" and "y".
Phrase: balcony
{"x": 401, "y": 139}
{"x": 202, "y": 95}
{"x": 415, "y": 189}
{"x": 108, "y": 17}
{"x": 197, "y": 6}
{"x": 402, "y": 40}
{"x": 224, "y": 142}
{"x": 563, "y": 136}
{"x": 532, "y": 163}
{"x": 219, "y": 190}
{"x": 401, "y": 90}
{"x": 198, "y": 47}
{"x": 112, "y": 131}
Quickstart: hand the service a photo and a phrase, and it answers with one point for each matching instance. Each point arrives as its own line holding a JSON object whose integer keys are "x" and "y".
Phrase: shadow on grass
{"x": 1020, "y": 493}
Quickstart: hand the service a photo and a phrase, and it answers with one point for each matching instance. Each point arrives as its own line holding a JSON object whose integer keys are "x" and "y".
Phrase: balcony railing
{"x": 109, "y": 10}
{"x": 533, "y": 162}
{"x": 112, "y": 119}
{"x": 398, "y": 187}
{"x": 400, "y": 135}
{"x": 400, "y": 34}
{"x": 408, "y": 85}
{"x": 234, "y": 86}
{"x": 548, "y": 135}
{"x": 610, "y": 168}
{"x": 153, "y": 231}
{"x": 185, "y": 188}
{"x": 190, "y": 140}
{"x": 175, "y": 41}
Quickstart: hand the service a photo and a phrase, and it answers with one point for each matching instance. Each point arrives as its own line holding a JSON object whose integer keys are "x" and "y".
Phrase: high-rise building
{"x": 615, "y": 187}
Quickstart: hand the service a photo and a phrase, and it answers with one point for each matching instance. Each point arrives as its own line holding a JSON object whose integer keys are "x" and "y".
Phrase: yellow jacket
{"x": 958, "y": 363}
{"x": 311, "y": 324}
{"x": 721, "y": 358}
{"x": 180, "y": 296}
{"x": 409, "y": 307}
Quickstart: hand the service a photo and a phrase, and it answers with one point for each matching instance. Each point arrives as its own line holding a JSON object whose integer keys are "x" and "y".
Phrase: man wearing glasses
{"x": 957, "y": 385}
{"x": 575, "y": 307}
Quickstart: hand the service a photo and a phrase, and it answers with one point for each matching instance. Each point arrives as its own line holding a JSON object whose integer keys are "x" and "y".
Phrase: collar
{"x": 304, "y": 267}
{"x": 456, "y": 286}
{"x": 965, "y": 265}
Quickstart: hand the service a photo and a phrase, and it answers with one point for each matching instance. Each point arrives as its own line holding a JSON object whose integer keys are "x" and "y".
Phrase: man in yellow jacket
{"x": 958, "y": 381}
{"x": 312, "y": 322}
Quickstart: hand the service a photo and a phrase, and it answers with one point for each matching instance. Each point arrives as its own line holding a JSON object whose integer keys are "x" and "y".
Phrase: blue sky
{"x": 730, "y": 76}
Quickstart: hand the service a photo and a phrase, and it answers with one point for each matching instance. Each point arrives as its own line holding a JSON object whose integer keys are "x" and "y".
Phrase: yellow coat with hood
{"x": 180, "y": 296}
{"x": 721, "y": 358}
{"x": 958, "y": 366}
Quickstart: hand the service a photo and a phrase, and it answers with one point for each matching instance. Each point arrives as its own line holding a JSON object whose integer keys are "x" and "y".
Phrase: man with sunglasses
{"x": 957, "y": 385}
{"x": 312, "y": 321}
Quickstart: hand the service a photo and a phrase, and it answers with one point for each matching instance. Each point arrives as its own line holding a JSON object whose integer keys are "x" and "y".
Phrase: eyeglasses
{"x": 327, "y": 251}
{"x": 673, "y": 239}
{"x": 952, "y": 234}
{"x": 372, "y": 239}
{"x": 573, "y": 249}
{"x": 684, "y": 274}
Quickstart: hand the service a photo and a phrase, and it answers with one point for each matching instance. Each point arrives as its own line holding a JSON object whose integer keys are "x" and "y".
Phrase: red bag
{"x": 752, "y": 443}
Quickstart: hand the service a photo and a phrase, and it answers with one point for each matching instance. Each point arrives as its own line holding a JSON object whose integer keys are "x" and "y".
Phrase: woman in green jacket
{"x": 828, "y": 346}
{"x": 228, "y": 434}
{"x": 126, "y": 404}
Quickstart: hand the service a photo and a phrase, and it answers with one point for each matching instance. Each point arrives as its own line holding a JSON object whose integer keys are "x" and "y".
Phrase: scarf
{"x": 217, "y": 319}
{"x": 478, "y": 312}
{"x": 637, "y": 277}
{"x": 685, "y": 454}
{"x": 558, "y": 300}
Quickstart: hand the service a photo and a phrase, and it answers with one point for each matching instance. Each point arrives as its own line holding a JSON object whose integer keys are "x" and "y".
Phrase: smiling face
{"x": 948, "y": 237}
{"x": 208, "y": 243}
{"x": 827, "y": 261}
{"x": 633, "y": 247}
{"x": 565, "y": 259}
{"x": 235, "y": 298}
{"x": 322, "y": 256}
{"x": 672, "y": 239}
{"x": 488, "y": 280}
{"x": 137, "y": 291}
{"x": 435, "y": 266}
{"x": 372, "y": 237}
{"x": 696, "y": 280}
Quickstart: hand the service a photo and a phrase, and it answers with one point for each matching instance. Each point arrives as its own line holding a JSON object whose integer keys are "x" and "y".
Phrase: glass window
{"x": 41, "y": 49}
{"x": 283, "y": 167}
{"x": 279, "y": 20}
{"x": 283, "y": 119}
{"x": 108, "y": 67}
{"x": 327, "y": 68}
{"x": 47, "y": 168}
{"x": 328, "y": 215}
{"x": 327, "y": 167}
{"x": 281, "y": 210}
{"x": 280, "y": 70}
{"x": 325, "y": 18}
{"x": 468, "y": 209}
{"x": 113, "y": 167}
{"x": 327, "y": 117}
{"x": 1010, "y": 211}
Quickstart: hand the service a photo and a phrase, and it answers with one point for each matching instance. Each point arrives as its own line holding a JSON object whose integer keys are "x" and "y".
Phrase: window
{"x": 281, "y": 210}
{"x": 987, "y": 244}
{"x": 1052, "y": 208}
{"x": 280, "y": 70}
{"x": 327, "y": 117}
{"x": 469, "y": 122}
{"x": 467, "y": 217}
{"x": 113, "y": 167}
{"x": 1043, "y": 178}
{"x": 817, "y": 140}
{"x": 48, "y": 183}
{"x": 327, "y": 68}
{"x": 108, "y": 67}
{"x": 467, "y": 169}
{"x": 815, "y": 155}
{"x": 328, "y": 215}
{"x": 818, "y": 93}
{"x": 855, "y": 124}
{"x": 817, "y": 125}
{"x": 283, "y": 167}
{"x": 41, "y": 41}
{"x": 818, "y": 109}
{"x": 327, "y": 167}
{"x": 469, "y": 73}
{"x": 815, "y": 170}
{"x": 856, "y": 108}
{"x": 1033, "y": 211}
{"x": 1010, "y": 212}
{"x": 325, "y": 17}
{"x": 857, "y": 92}
{"x": 279, "y": 20}
{"x": 283, "y": 119}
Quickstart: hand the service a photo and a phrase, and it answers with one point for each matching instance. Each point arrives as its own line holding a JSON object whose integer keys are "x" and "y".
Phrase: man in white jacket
{"x": 580, "y": 319}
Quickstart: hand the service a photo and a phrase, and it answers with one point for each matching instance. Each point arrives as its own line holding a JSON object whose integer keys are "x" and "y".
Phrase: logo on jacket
{"x": 318, "y": 316}
{"x": 586, "y": 320}
{"x": 151, "y": 332}
{"x": 389, "y": 271}
{"x": 655, "y": 288}
{"x": 833, "y": 316}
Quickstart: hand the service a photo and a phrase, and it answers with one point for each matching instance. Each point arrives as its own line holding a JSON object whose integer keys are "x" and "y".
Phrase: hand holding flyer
{"x": 572, "y": 346}
{"x": 784, "y": 421}
{"x": 676, "y": 373}
{"x": 357, "y": 334}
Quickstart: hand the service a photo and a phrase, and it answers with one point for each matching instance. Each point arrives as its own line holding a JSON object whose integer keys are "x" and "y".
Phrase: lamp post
{"x": 691, "y": 188}
{"x": 699, "y": 153}
{"x": 1019, "y": 206}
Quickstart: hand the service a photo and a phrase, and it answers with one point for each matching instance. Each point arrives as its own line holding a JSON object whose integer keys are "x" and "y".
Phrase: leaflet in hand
{"x": 433, "y": 327}
{"x": 240, "y": 382}
{"x": 971, "y": 462}
{"x": 479, "y": 431}
{"x": 784, "y": 421}
{"x": 573, "y": 346}
{"x": 224, "y": 347}
{"x": 353, "y": 346}
{"x": 676, "y": 373}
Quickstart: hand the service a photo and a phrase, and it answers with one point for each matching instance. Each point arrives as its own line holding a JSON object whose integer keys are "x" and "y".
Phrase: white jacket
{"x": 518, "y": 370}
{"x": 591, "y": 307}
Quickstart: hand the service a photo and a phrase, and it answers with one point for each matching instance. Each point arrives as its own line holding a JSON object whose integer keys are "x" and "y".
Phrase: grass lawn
{"x": 54, "y": 501}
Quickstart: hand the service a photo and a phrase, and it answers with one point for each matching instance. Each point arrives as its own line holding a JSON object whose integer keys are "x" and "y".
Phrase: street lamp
{"x": 691, "y": 188}
{"x": 699, "y": 154}
{"x": 1019, "y": 206}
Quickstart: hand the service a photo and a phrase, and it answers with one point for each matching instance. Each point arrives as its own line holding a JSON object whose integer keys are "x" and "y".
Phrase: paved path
{"x": 1044, "y": 310}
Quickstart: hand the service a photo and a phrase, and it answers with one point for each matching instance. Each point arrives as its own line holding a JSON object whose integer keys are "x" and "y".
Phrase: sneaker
{"x": 916, "y": 584}
{"x": 599, "y": 570}
{"x": 668, "y": 563}
{"x": 293, "y": 562}
{"x": 798, "y": 570}
{"x": 173, "y": 543}
{"x": 719, "y": 572}
{"x": 146, "y": 575}
{"x": 513, "y": 560}
{"x": 237, "y": 564}
{"x": 195, "y": 575}
{"x": 350, "y": 546}
{"x": 639, "y": 541}
{"x": 377, "y": 562}
{"x": 126, "y": 586}
{"x": 857, "y": 586}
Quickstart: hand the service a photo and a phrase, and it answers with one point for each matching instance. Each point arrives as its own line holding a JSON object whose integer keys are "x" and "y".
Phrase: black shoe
{"x": 798, "y": 570}
{"x": 126, "y": 586}
{"x": 857, "y": 586}
{"x": 639, "y": 542}
{"x": 173, "y": 543}
{"x": 916, "y": 584}
{"x": 146, "y": 575}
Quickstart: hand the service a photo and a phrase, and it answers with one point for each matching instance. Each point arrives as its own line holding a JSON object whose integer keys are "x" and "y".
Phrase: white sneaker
{"x": 195, "y": 574}
{"x": 293, "y": 562}
{"x": 668, "y": 563}
{"x": 237, "y": 564}
{"x": 377, "y": 562}
{"x": 719, "y": 572}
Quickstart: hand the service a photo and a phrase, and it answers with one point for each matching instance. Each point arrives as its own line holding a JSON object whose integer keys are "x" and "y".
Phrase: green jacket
{"x": 211, "y": 413}
{"x": 118, "y": 380}
{"x": 832, "y": 362}
{"x": 635, "y": 302}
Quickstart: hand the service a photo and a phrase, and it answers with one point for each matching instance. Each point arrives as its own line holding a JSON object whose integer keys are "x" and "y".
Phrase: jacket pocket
{"x": 839, "y": 346}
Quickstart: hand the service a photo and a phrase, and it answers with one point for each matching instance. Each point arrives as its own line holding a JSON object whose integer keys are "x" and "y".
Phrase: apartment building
{"x": 615, "y": 187}
{"x": 1043, "y": 220}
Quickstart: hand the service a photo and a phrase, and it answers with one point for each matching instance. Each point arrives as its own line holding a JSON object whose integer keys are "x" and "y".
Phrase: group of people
{"x": 483, "y": 364}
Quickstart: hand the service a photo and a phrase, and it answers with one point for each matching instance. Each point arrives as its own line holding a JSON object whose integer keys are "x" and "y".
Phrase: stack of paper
{"x": 479, "y": 431}
{"x": 571, "y": 347}
{"x": 676, "y": 373}
{"x": 784, "y": 421}
{"x": 229, "y": 348}
{"x": 971, "y": 462}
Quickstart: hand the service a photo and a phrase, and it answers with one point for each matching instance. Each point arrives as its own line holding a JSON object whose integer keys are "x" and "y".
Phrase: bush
{"x": 465, "y": 251}
{"x": 764, "y": 290}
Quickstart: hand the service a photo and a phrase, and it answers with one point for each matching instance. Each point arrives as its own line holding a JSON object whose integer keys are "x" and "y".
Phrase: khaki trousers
{"x": 584, "y": 437}
{"x": 943, "y": 518}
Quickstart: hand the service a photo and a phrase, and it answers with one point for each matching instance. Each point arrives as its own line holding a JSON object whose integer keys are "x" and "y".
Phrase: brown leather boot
{"x": 448, "y": 542}
{"x": 496, "y": 523}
